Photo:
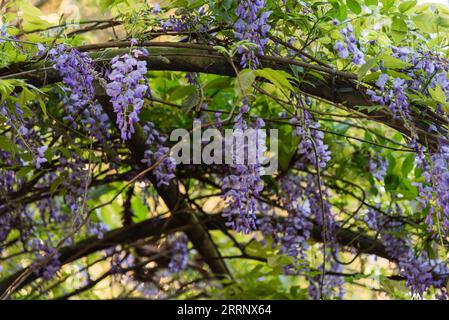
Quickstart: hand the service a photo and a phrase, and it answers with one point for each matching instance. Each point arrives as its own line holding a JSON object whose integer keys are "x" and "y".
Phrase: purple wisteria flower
{"x": 377, "y": 165}
{"x": 78, "y": 73}
{"x": 332, "y": 286}
{"x": 40, "y": 157}
{"x": 164, "y": 171}
{"x": 127, "y": 89}
{"x": 341, "y": 49}
{"x": 181, "y": 23}
{"x": 179, "y": 253}
{"x": 299, "y": 196}
{"x": 382, "y": 80}
{"x": 40, "y": 48}
{"x": 76, "y": 70}
{"x": 293, "y": 233}
{"x": 349, "y": 46}
{"x": 252, "y": 26}
{"x": 311, "y": 146}
{"x": 421, "y": 272}
{"x": 243, "y": 185}
{"x": 394, "y": 96}
{"x": 436, "y": 186}
{"x": 42, "y": 252}
{"x": 157, "y": 8}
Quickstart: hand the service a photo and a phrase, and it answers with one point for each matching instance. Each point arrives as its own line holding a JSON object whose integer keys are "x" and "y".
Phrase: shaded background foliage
{"x": 91, "y": 206}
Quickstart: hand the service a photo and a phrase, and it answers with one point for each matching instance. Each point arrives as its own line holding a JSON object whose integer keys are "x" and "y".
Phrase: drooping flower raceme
{"x": 157, "y": 152}
{"x": 179, "y": 253}
{"x": 78, "y": 73}
{"x": 377, "y": 166}
{"x": 419, "y": 270}
{"x": 394, "y": 95}
{"x": 311, "y": 145}
{"x": 127, "y": 89}
{"x": 14, "y": 116}
{"x": 39, "y": 159}
{"x": 252, "y": 26}
{"x": 76, "y": 70}
{"x": 300, "y": 198}
{"x": 332, "y": 285}
{"x": 243, "y": 185}
{"x": 425, "y": 72}
{"x": 437, "y": 185}
{"x": 349, "y": 46}
{"x": 293, "y": 234}
{"x": 43, "y": 253}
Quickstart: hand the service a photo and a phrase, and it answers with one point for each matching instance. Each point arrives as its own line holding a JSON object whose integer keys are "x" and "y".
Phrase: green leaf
{"x": 430, "y": 23}
{"x": 425, "y": 22}
{"x": 65, "y": 152}
{"x": 394, "y": 63}
{"x": 438, "y": 94}
{"x": 407, "y": 5}
{"x": 191, "y": 102}
{"x": 256, "y": 249}
{"x": 180, "y": 92}
{"x": 277, "y": 77}
{"x": 244, "y": 81}
{"x": 279, "y": 261}
{"x": 55, "y": 184}
{"x": 366, "y": 67}
{"x": 354, "y": 6}
{"x": 398, "y": 24}
{"x": 6, "y": 88}
{"x": 391, "y": 182}
{"x": 387, "y": 4}
{"x": 342, "y": 13}
{"x": 105, "y": 4}
{"x": 227, "y": 4}
{"x": 408, "y": 164}
{"x": 371, "y": 2}
{"x": 32, "y": 17}
{"x": 23, "y": 172}
{"x": 373, "y": 76}
{"x": 140, "y": 210}
{"x": 392, "y": 287}
{"x": 7, "y": 145}
{"x": 216, "y": 84}
{"x": 391, "y": 163}
{"x": 396, "y": 74}
{"x": 287, "y": 146}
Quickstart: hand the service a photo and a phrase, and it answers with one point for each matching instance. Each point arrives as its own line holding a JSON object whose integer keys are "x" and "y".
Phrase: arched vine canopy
{"x": 93, "y": 206}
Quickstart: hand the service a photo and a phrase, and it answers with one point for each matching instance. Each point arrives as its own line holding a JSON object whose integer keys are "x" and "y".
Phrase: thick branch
{"x": 335, "y": 87}
{"x": 178, "y": 206}
{"x": 157, "y": 227}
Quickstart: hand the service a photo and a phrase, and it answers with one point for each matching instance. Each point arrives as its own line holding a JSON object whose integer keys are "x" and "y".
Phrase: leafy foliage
{"x": 90, "y": 197}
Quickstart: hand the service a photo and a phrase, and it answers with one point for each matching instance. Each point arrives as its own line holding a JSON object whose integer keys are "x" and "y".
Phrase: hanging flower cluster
{"x": 435, "y": 186}
{"x": 420, "y": 272}
{"x": 164, "y": 171}
{"x": 311, "y": 146}
{"x": 127, "y": 89}
{"x": 377, "y": 165}
{"x": 291, "y": 235}
{"x": 252, "y": 26}
{"x": 243, "y": 185}
{"x": 46, "y": 270}
{"x": 179, "y": 253}
{"x": 426, "y": 72}
{"x": 394, "y": 96}
{"x": 349, "y": 46}
{"x": 78, "y": 73}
